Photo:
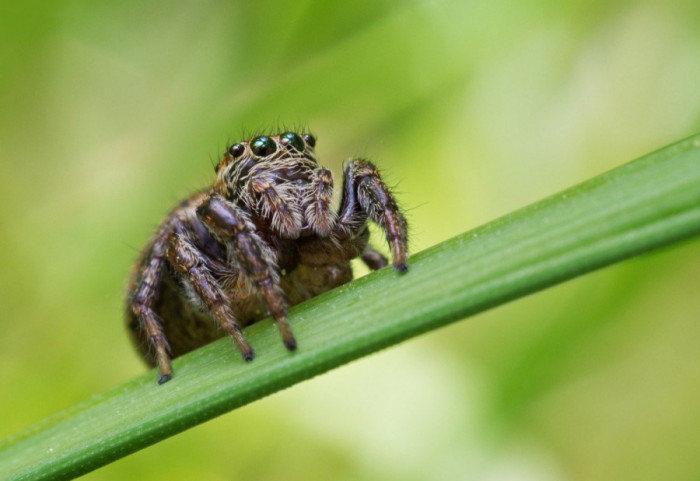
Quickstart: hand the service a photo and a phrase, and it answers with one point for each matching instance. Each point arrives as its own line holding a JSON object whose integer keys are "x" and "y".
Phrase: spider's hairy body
{"x": 262, "y": 238}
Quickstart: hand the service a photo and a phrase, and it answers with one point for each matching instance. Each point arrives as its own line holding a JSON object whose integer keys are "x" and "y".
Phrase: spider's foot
{"x": 248, "y": 355}
{"x": 164, "y": 378}
{"x": 288, "y": 338}
{"x": 401, "y": 267}
{"x": 246, "y": 350}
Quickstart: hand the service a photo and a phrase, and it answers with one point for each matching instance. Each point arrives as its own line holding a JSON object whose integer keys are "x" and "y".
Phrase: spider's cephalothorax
{"x": 264, "y": 237}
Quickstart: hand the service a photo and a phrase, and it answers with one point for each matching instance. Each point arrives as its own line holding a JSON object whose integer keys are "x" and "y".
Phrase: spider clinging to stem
{"x": 262, "y": 238}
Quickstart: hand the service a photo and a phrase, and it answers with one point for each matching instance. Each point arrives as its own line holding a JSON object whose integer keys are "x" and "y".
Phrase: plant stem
{"x": 643, "y": 205}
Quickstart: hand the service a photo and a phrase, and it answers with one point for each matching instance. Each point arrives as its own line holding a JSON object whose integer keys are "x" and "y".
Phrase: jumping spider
{"x": 262, "y": 238}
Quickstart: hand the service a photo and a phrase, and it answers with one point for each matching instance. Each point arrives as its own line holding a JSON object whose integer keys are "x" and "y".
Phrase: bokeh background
{"x": 111, "y": 112}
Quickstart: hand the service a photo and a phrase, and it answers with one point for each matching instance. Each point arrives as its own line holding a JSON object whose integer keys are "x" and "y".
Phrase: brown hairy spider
{"x": 262, "y": 238}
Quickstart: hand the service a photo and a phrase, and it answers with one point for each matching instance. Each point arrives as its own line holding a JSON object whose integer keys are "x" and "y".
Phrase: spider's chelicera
{"x": 262, "y": 238}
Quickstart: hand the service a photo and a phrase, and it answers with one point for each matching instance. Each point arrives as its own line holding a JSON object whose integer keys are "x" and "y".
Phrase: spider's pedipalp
{"x": 280, "y": 202}
{"x": 319, "y": 215}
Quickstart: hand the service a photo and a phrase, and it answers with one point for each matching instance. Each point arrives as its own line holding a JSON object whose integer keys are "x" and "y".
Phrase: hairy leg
{"x": 142, "y": 301}
{"x": 373, "y": 259}
{"x": 365, "y": 195}
{"x": 190, "y": 262}
{"x": 232, "y": 225}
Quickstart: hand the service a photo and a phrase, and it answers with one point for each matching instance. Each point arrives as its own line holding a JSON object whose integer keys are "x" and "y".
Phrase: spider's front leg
{"x": 232, "y": 225}
{"x": 191, "y": 262}
{"x": 366, "y": 195}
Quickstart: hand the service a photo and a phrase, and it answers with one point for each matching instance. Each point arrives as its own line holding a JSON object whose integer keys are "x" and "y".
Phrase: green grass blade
{"x": 643, "y": 205}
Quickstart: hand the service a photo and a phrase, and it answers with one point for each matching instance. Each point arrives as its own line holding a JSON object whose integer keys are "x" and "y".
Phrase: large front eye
{"x": 263, "y": 146}
{"x": 292, "y": 139}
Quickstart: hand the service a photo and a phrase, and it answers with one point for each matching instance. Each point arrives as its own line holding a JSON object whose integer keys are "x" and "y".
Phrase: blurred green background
{"x": 111, "y": 113}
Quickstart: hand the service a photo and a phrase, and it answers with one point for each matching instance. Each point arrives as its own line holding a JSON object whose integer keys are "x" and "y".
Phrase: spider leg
{"x": 188, "y": 260}
{"x": 233, "y": 226}
{"x": 373, "y": 259}
{"x": 141, "y": 304}
{"x": 365, "y": 195}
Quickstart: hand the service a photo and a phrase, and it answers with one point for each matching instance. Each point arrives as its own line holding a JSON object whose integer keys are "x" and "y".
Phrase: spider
{"x": 262, "y": 238}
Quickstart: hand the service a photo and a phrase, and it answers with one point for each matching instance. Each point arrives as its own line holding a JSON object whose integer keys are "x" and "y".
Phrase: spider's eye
{"x": 236, "y": 150}
{"x": 263, "y": 146}
{"x": 292, "y": 139}
{"x": 310, "y": 140}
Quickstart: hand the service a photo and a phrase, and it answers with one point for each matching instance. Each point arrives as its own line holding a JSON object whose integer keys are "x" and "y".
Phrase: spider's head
{"x": 267, "y": 171}
{"x": 280, "y": 158}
